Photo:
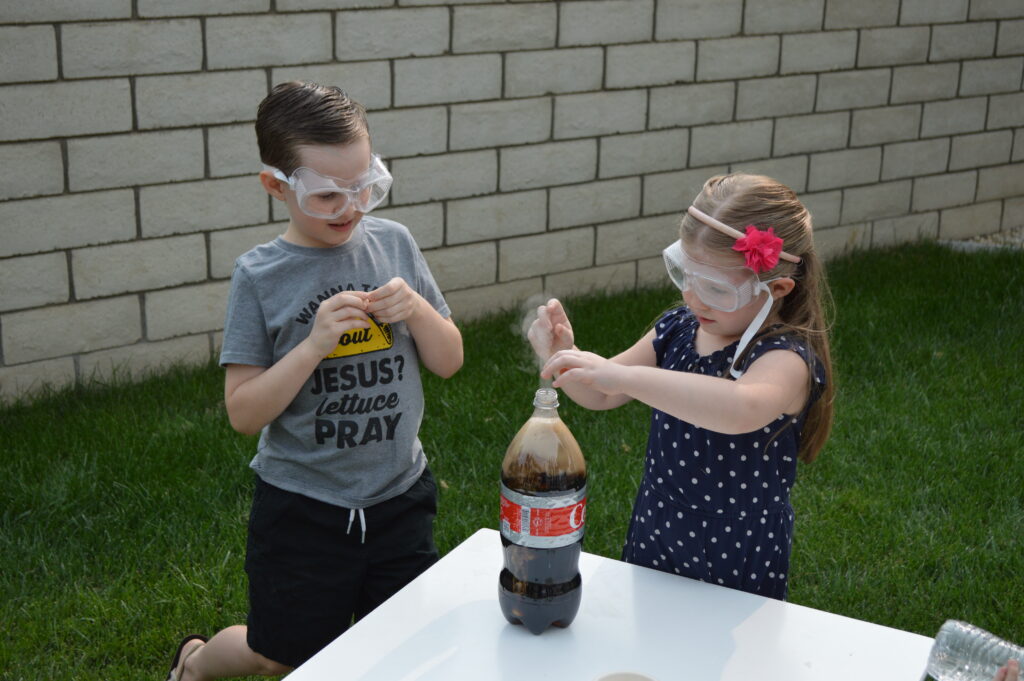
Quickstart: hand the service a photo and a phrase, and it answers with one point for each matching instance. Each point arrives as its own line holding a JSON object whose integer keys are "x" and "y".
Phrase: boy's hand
{"x": 1009, "y": 671}
{"x": 340, "y": 313}
{"x": 395, "y": 301}
{"x": 551, "y": 331}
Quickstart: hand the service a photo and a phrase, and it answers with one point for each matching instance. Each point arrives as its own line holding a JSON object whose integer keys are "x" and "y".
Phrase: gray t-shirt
{"x": 350, "y": 437}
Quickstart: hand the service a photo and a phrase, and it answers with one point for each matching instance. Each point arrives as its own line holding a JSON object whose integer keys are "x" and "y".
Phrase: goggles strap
{"x": 754, "y": 327}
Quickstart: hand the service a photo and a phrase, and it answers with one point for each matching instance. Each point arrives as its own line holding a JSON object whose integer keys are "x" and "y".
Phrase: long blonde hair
{"x": 739, "y": 200}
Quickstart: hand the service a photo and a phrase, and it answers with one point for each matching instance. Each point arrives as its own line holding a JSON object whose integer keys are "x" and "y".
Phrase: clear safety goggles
{"x": 323, "y": 196}
{"x": 724, "y": 288}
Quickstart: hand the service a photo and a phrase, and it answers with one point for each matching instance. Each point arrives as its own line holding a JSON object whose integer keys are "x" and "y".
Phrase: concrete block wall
{"x": 538, "y": 146}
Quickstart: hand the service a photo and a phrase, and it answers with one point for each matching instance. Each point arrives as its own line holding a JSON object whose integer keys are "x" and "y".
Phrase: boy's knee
{"x": 270, "y": 668}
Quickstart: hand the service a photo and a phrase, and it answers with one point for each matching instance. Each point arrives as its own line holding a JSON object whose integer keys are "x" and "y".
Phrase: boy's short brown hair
{"x": 300, "y": 113}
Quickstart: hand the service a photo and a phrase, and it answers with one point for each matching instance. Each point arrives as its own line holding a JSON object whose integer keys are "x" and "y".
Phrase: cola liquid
{"x": 543, "y": 512}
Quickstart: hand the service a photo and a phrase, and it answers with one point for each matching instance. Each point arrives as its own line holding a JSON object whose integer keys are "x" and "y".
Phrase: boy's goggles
{"x": 723, "y": 288}
{"x": 322, "y": 196}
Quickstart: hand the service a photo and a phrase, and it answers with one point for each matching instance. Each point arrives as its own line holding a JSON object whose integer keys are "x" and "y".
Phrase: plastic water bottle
{"x": 964, "y": 652}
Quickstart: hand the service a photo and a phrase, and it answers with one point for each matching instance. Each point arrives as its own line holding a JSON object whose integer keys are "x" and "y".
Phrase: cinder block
{"x": 1001, "y": 182}
{"x": 463, "y": 266}
{"x": 643, "y": 152}
{"x": 933, "y": 11}
{"x": 497, "y": 216}
{"x": 498, "y": 28}
{"x": 33, "y": 281}
{"x": 953, "y": 117}
{"x": 684, "y": 105}
{"x": 232, "y": 150}
{"x": 845, "y": 168}
{"x": 186, "y": 310}
{"x": 862, "y": 13}
{"x": 836, "y": 242}
{"x": 202, "y": 206}
{"x": 944, "y": 191}
{"x": 32, "y": 169}
{"x": 770, "y": 97}
{"x": 560, "y": 251}
{"x": 553, "y": 71}
{"x": 600, "y": 113}
{"x": 910, "y": 159}
{"x": 853, "y": 89}
{"x": 972, "y": 220}
{"x": 500, "y": 123}
{"x": 784, "y": 16}
{"x": 411, "y": 3}
{"x": 595, "y": 202}
{"x": 299, "y": 5}
{"x": 888, "y": 46}
{"x": 812, "y": 52}
{"x": 1011, "y": 38}
{"x": 602, "y": 22}
{"x": 925, "y": 83}
{"x": 982, "y": 149}
{"x": 906, "y": 229}
{"x": 963, "y": 41}
{"x": 729, "y": 58}
{"x": 650, "y": 64}
{"x": 26, "y": 380}
{"x": 995, "y": 9}
{"x": 1006, "y": 111}
{"x": 791, "y": 171}
{"x": 40, "y": 225}
{"x": 135, "y": 159}
{"x": 546, "y": 165}
{"x": 606, "y": 279}
{"x": 730, "y": 142}
{"x": 268, "y": 40}
{"x": 409, "y": 132}
{"x": 473, "y": 303}
{"x": 227, "y": 244}
{"x": 62, "y": 10}
{"x": 368, "y": 82}
{"x": 634, "y": 239}
{"x": 60, "y": 330}
{"x": 199, "y": 98}
{"x": 64, "y": 109}
{"x": 673, "y": 192}
{"x": 424, "y": 220}
{"x": 991, "y": 76}
{"x": 441, "y": 80}
{"x": 138, "y": 266}
{"x": 876, "y": 201}
{"x": 134, "y": 362}
{"x": 388, "y": 33}
{"x": 697, "y": 19}
{"x": 1013, "y": 214}
{"x": 825, "y": 208}
{"x": 1018, "y": 146}
{"x": 650, "y": 273}
{"x": 447, "y": 176}
{"x": 885, "y": 124}
{"x": 815, "y": 132}
{"x": 127, "y": 48}
{"x": 28, "y": 53}
{"x": 178, "y": 8}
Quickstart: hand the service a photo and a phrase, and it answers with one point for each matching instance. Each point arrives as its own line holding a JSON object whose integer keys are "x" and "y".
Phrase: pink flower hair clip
{"x": 761, "y": 249}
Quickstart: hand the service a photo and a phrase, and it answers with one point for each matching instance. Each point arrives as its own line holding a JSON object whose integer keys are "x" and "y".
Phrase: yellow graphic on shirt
{"x": 361, "y": 341}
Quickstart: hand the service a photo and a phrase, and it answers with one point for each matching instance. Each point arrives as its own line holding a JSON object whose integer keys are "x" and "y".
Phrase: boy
{"x": 325, "y": 329}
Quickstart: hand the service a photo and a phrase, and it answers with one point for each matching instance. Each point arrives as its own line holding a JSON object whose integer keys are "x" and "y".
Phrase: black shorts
{"x": 310, "y": 573}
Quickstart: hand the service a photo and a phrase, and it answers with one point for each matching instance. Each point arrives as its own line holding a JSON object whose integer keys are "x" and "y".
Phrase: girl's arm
{"x": 774, "y": 384}
{"x": 640, "y": 355}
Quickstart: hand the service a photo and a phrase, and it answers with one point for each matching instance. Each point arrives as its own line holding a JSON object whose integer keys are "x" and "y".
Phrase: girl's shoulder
{"x": 676, "y": 321}
{"x": 777, "y": 339}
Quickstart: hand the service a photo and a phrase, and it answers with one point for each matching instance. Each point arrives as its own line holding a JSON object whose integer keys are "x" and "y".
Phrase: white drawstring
{"x": 362, "y": 522}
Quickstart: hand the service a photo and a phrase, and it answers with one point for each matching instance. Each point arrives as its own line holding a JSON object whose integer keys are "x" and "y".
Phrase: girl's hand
{"x": 551, "y": 331}
{"x": 395, "y": 301}
{"x": 1009, "y": 671}
{"x": 340, "y": 313}
{"x": 586, "y": 368}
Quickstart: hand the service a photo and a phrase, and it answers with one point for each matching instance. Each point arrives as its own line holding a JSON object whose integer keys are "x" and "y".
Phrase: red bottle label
{"x": 547, "y": 522}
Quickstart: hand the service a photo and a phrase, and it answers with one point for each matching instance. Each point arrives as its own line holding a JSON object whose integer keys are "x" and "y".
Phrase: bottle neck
{"x": 545, "y": 403}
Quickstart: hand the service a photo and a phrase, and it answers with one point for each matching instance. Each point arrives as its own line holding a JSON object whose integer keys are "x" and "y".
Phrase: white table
{"x": 446, "y": 625}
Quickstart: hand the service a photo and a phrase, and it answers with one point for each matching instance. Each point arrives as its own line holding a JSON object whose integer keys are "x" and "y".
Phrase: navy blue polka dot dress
{"x": 711, "y": 506}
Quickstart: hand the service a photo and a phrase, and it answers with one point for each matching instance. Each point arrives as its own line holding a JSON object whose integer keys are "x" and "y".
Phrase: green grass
{"x": 123, "y": 507}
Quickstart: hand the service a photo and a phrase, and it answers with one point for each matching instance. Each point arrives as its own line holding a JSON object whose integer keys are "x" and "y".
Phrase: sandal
{"x": 172, "y": 675}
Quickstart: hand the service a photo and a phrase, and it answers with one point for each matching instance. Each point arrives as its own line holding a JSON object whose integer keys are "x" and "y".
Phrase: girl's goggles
{"x": 322, "y": 196}
{"x": 723, "y": 288}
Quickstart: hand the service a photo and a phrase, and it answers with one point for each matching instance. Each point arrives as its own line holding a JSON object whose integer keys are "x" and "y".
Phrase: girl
{"x": 739, "y": 380}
